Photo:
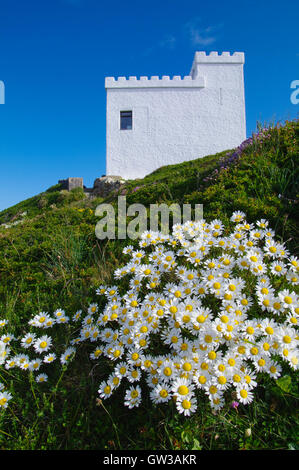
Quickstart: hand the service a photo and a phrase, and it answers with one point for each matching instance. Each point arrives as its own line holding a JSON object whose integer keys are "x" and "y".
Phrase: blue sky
{"x": 55, "y": 55}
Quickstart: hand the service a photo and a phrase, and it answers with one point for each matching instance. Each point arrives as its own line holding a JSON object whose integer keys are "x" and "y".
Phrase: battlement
{"x": 202, "y": 57}
{"x": 194, "y": 80}
{"x": 155, "y": 82}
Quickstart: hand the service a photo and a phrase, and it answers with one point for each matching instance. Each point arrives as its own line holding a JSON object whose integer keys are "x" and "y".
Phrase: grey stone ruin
{"x": 102, "y": 186}
{"x": 71, "y": 183}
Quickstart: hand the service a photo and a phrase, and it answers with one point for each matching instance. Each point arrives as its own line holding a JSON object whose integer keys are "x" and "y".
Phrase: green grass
{"x": 52, "y": 259}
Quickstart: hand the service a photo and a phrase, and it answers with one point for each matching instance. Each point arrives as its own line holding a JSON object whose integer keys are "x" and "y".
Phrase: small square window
{"x": 126, "y": 120}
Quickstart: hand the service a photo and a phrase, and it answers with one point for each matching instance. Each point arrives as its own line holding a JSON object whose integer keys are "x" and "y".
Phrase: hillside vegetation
{"x": 51, "y": 259}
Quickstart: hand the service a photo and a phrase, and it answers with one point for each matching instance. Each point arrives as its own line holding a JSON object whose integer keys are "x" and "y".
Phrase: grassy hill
{"x": 51, "y": 259}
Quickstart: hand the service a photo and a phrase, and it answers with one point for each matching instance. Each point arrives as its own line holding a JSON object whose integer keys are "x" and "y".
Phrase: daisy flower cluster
{"x": 200, "y": 313}
{"x": 36, "y": 350}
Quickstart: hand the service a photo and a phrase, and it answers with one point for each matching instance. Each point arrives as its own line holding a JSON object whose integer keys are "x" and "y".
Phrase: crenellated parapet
{"x": 216, "y": 58}
{"x": 155, "y": 82}
{"x": 202, "y": 59}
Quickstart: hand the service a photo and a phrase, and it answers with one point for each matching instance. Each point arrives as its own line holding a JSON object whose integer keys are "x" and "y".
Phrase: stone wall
{"x": 102, "y": 186}
{"x": 71, "y": 183}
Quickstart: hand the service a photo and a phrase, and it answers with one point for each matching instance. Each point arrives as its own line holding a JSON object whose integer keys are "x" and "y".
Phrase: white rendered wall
{"x": 176, "y": 120}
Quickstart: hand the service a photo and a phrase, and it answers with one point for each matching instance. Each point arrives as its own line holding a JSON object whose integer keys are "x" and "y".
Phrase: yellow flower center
{"x": 200, "y": 319}
{"x": 167, "y": 371}
{"x": 202, "y": 379}
{"x": 212, "y": 355}
{"x": 183, "y": 390}
{"x": 186, "y": 404}
{"x": 222, "y": 380}
{"x": 227, "y": 296}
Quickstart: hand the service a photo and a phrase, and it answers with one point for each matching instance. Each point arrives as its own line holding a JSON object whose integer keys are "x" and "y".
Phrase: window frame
{"x": 122, "y": 114}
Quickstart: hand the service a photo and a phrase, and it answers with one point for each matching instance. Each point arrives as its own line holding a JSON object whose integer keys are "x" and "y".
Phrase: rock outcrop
{"x": 106, "y": 184}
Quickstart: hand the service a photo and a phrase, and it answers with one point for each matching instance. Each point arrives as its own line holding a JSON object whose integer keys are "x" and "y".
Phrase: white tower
{"x": 152, "y": 122}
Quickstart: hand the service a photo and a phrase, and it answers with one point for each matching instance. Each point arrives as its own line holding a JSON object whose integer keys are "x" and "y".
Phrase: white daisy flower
{"x": 49, "y": 358}
{"x": 35, "y": 364}
{"x": 105, "y": 390}
{"x": 186, "y": 406}
{"x": 133, "y": 397}
{"x": 161, "y": 393}
{"x": 67, "y": 355}
{"x": 28, "y": 340}
{"x": 4, "y": 399}
{"x": 42, "y": 344}
{"x": 41, "y": 378}
{"x": 244, "y": 395}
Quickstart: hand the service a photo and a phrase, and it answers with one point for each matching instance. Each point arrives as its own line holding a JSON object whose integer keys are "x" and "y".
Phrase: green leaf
{"x": 196, "y": 445}
{"x": 293, "y": 446}
{"x": 185, "y": 437}
{"x": 284, "y": 383}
